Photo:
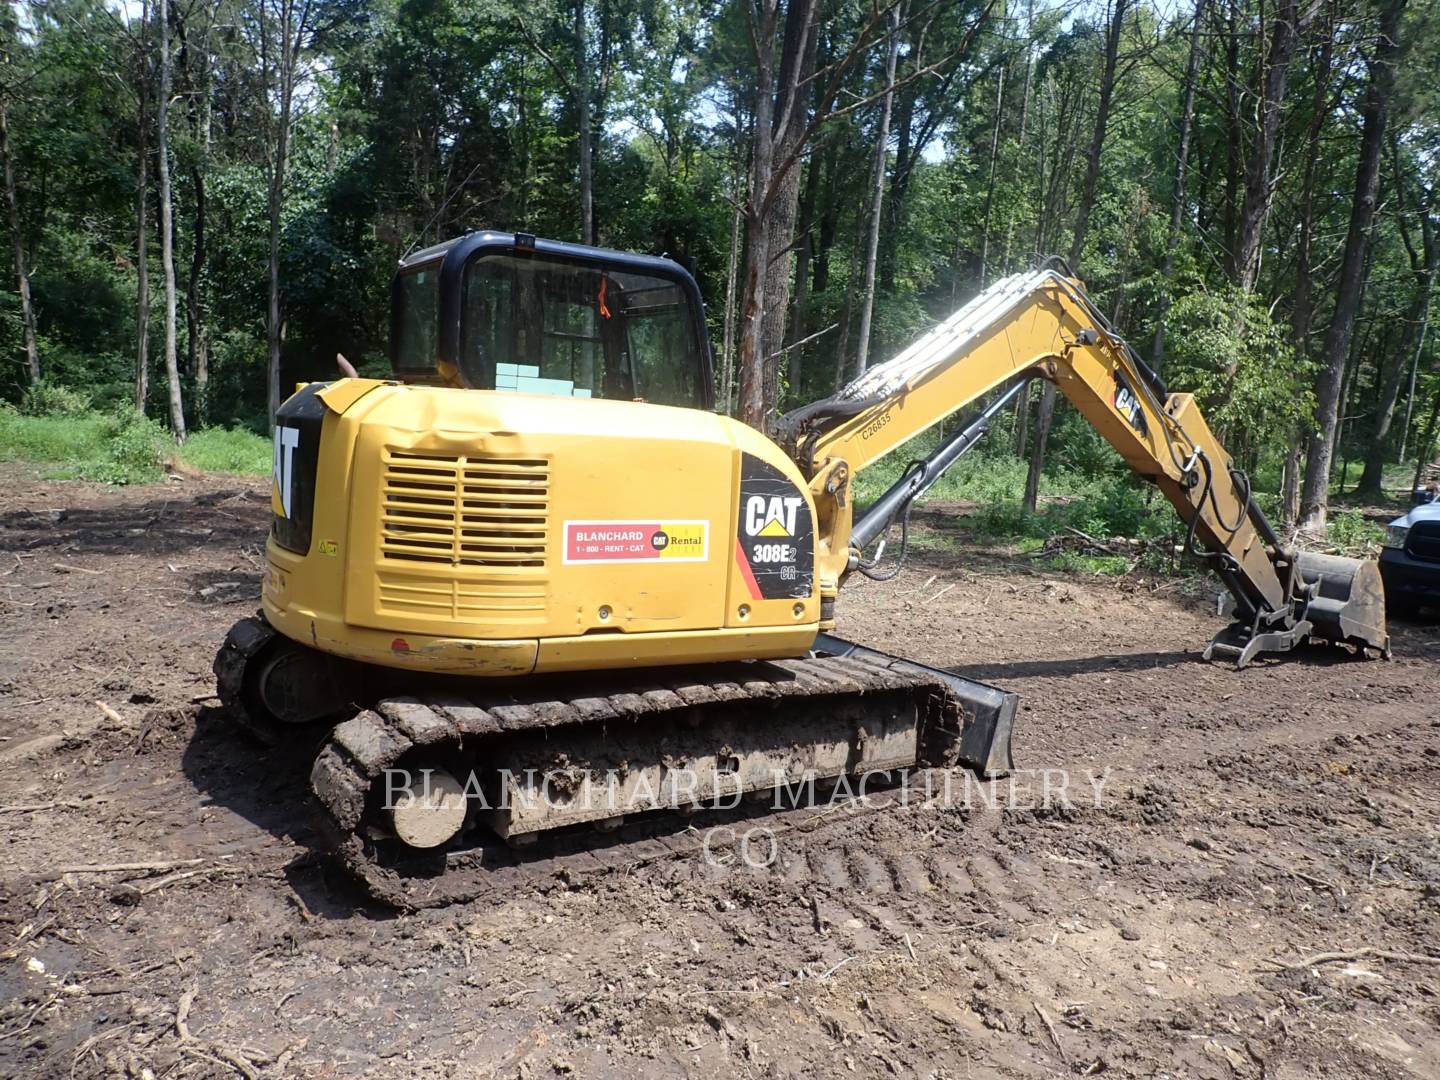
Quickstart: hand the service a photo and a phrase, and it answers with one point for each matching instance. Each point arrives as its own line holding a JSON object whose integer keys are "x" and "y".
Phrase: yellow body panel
{"x": 490, "y": 533}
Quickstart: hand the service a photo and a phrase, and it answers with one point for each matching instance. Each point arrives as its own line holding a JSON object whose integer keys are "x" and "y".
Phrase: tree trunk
{"x": 990, "y": 181}
{"x": 167, "y": 222}
{"x": 804, "y": 251}
{"x": 727, "y": 348}
{"x": 1077, "y": 243}
{"x": 1182, "y": 164}
{"x": 1303, "y": 313}
{"x": 582, "y": 108}
{"x": 797, "y": 64}
{"x": 1235, "y": 141}
{"x": 877, "y": 188}
{"x": 197, "y": 337}
{"x": 847, "y": 312}
{"x": 1020, "y": 156}
{"x": 1097, "y": 140}
{"x": 1427, "y": 442}
{"x": 1415, "y": 367}
{"x": 1416, "y": 326}
{"x": 1284, "y": 35}
{"x": 757, "y": 246}
{"x": 17, "y": 247}
{"x": 142, "y": 230}
{"x": 289, "y": 46}
{"x": 1315, "y": 497}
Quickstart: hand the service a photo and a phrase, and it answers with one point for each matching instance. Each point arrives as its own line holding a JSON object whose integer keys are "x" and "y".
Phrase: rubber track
{"x": 362, "y": 748}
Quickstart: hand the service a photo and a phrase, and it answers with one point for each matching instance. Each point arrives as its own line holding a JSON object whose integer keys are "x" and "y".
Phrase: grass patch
{"x": 122, "y": 447}
{"x": 1074, "y": 563}
{"x": 228, "y": 450}
{"x": 117, "y": 448}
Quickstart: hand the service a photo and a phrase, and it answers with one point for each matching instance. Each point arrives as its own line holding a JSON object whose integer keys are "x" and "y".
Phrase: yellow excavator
{"x": 537, "y": 559}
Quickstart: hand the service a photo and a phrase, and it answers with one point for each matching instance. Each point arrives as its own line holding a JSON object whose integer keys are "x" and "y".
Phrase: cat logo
{"x": 773, "y": 516}
{"x": 286, "y": 440}
{"x": 1127, "y": 404}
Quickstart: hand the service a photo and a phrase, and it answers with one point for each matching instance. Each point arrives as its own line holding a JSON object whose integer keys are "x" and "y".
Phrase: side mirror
{"x": 1423, "y": 496}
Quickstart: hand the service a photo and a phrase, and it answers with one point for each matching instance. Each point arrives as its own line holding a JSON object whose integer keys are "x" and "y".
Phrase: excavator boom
{"x": 1042, "y": 325}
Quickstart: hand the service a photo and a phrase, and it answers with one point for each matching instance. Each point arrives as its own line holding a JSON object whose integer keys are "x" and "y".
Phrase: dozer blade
{"x": 989, "y": 711}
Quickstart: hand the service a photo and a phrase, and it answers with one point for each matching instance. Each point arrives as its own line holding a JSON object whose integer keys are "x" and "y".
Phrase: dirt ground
{"x": 1246, "y": 823}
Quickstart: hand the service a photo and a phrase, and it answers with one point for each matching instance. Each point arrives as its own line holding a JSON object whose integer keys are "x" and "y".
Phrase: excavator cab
{"x": 501, "y": 311}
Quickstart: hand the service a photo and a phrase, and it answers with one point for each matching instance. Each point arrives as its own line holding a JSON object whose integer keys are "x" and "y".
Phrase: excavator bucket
{"x": 1347, "y": 601}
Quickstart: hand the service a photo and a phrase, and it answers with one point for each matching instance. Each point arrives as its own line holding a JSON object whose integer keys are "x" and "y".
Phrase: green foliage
{"x": 1351, "y": 530}
{"x": 228, "y": 451}
{"x": 1239, "y": 363}
{"x": 423, "y": 119}
{"x": 122, "y": 447}
{"x": 52, "y": 399}
{"x": 1102, "y": 508}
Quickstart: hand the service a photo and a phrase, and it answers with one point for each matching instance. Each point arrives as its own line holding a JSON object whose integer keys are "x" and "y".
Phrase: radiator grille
{"x": 1424, "y": 541}
{"x": 465, "y": 511}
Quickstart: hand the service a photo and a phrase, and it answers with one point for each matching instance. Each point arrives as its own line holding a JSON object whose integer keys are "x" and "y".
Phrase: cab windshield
{"x": 542, "y": 326}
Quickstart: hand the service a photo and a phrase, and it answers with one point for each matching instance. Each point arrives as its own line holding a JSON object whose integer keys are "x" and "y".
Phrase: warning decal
{"x": 775, "y": 542}
{"x": 646, "y": 540}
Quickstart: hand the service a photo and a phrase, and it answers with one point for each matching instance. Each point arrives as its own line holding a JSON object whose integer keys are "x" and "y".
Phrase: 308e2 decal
{"x": 775, "y": 541}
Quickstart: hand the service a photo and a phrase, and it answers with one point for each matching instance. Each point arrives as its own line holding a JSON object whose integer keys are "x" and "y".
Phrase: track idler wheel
{"x": 1347, "y": 601}
{"x": 271, "y": 685}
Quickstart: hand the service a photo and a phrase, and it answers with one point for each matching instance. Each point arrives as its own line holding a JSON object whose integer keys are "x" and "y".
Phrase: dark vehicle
{"x": 1410, "y": 559}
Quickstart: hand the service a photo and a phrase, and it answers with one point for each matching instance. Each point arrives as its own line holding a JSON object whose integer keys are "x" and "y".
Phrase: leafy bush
{"x": 135, "y": 448}
{"x": 115, "y": 448}
{"x": 52, "y": 399}
{"x": 1349, "y": 529}
{"x": 1241, "y": 366}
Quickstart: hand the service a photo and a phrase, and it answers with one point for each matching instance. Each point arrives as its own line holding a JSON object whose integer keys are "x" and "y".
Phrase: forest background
{"x": 206, "y": 200}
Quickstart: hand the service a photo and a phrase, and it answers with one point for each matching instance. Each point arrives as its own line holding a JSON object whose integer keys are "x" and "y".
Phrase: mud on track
{"x": 1247, "y": 821}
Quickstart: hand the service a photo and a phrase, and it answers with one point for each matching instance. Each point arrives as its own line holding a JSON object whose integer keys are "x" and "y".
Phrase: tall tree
{"x": 9, "y": 72}
{"x": 284, "y": 31}
{"x": 1113, "y": 30}
{"x": 196, "y": 66}
{"x": 1424, "y": 259}
{"x": 1182, "y": 168}
{"x": 141, "y": 40}
{"x": 1284, "y": 35}
{"x": 1320, "y": 449}
{"x": 877, "y": 196}
{"x": 167, "y": 217}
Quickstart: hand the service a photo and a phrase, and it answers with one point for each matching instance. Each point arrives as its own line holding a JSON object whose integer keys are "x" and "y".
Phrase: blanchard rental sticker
{"x": 644, "y": 541}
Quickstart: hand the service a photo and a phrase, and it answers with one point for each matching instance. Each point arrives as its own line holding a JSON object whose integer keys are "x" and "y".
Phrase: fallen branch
{"x": 185, "y": 875}
{"x": 76, "y": 569}
{"x": 110, "y": 713}
{"x": 1054, "y": 1035}
{"x": 182, "y": 1013}
{"x": 121, "y": 868}
{"x": 29, "y": 808}
{"x": 1369, "y": 951}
